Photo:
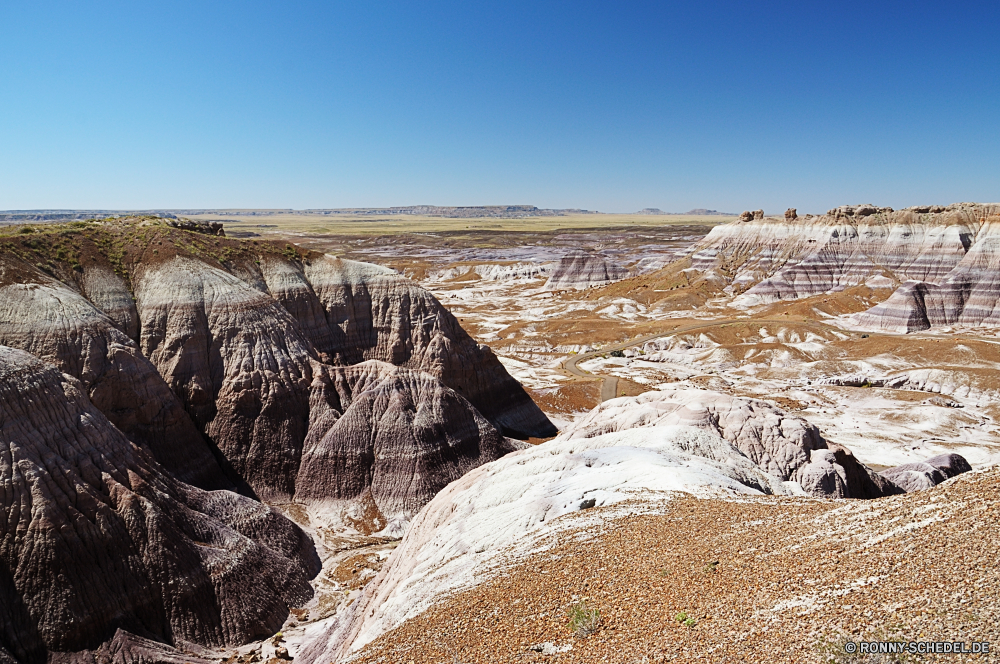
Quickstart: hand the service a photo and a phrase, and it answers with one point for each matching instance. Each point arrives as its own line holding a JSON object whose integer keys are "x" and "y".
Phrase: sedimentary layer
{"x": 580, "y": 269}
{"x": 944, "y": 261}
{"x": 96, "y": 536}
{"x": 388, "y": 438}
{"x": 56, "y": 323}
{"x": 203, "y": 350}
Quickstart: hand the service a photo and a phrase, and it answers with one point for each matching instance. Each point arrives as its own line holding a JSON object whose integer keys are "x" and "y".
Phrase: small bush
{"x": 24, "y": 230}
{"x": 617, "y": 353}
{"x": 686, "y": 620}
{"x": 583, "y": 620}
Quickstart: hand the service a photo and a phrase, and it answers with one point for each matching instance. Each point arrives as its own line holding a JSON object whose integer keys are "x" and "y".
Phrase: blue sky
{"x": 611, "y": 106}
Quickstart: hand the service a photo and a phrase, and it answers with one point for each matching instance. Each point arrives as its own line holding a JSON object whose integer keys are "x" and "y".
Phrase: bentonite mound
{"x": 580, "y": 269}
{"x": 202, "y": 350}
{"x": 178, "y": 358}
{"x": 95, "y": 536}
{"x": 237, "y": 360}
{"x": 390, "y": 436}
{"x": 353, "y": 312}
{"x": 946, "y": 253}
{"x": 926, "y": 474}
{"x": 787, "y": 448}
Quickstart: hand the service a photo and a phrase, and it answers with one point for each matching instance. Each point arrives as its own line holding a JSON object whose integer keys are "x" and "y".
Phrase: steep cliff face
{"x": 581, "y": 269}
{"x": 238, "y": 362}
{"x": 46, "y": 318}
{"x": 945, "y": 252}
{"x": 354, "y": 312}
{"x": 96, "y": 536}
{"x": 969, "y": 294}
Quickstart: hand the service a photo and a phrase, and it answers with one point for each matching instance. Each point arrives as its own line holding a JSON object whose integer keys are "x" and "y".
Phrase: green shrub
{"x": 583, "y": 620}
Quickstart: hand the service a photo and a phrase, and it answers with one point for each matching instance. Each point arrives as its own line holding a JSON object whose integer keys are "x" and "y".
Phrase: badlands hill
{"x": 581, "y": 269}
{"x": 151, "y": 375}
{"x": 939, "y": 262}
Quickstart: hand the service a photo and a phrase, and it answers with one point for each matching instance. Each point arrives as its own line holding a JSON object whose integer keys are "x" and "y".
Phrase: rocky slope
{"x": 388, "y": 439}
{"x": 942, "y": 259}
{"x": 580, "y": 269}
{"x": 754, "y": 580}
{"x": 787, "y": 448}
{"x": 645, "y": 449}
{"x": 96, "y": 536}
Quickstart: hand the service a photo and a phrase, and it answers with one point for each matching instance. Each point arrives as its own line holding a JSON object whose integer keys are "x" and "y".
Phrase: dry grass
{"x": 363, "y": 225}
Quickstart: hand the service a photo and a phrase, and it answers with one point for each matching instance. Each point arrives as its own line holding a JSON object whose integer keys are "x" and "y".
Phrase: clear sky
{"x": 613, "y": 106}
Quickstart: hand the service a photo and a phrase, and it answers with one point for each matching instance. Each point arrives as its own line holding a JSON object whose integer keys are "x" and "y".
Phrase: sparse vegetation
{"x": 583, "y": 620}
{"x": 683, "y": 618}
{"x": 63, "y": 250}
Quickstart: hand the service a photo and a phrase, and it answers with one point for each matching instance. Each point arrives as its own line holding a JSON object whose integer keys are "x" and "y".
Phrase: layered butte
{"x": 582, "y": 269}
{"x": 941, "y": 262}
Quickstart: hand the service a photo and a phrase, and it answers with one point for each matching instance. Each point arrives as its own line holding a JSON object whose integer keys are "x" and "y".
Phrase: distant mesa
{"x": 451, "y": 212}
{"x": 225, "y": 215}
{"x": 696, "y": 212}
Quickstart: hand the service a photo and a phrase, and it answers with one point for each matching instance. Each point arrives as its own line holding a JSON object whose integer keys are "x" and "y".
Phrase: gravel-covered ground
{"x": 761, "y": 580}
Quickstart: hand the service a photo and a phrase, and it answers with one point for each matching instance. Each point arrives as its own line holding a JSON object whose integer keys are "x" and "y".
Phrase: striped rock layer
{"x": 578, "y": 270}
{"x": 146, "y": 407}
{"x": 944, "y": 261}
{"x": 96, "y": 536}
